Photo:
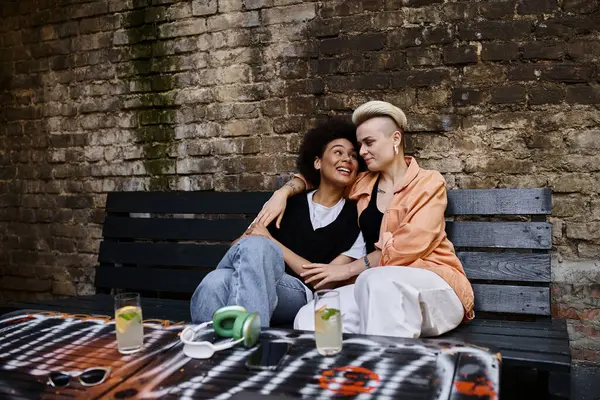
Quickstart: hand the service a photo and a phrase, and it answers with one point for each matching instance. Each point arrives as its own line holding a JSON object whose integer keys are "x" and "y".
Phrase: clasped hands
{"x": 322, "y": 274}
{"x": 317, "y": 274}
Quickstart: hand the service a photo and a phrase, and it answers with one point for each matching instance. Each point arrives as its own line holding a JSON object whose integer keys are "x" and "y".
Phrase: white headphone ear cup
{"x": 199, "y": 350}
{"x": 187, "y": 335}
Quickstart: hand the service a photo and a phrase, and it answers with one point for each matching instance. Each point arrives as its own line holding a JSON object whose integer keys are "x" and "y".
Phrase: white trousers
{"x": 394, "y": 301}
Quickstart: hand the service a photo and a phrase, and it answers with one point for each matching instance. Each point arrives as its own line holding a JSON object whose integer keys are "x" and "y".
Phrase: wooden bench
{"x": 503, "y": 239}
{"x": 162, "y": 244}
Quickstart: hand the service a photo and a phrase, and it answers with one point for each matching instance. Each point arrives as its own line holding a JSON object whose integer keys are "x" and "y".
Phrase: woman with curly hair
{"x": 411, "y": 283}
{"x": 261, "y": 271}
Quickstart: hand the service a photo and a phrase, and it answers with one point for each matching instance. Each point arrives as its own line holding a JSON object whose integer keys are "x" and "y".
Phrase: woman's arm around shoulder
{"x": 275, "y": 206}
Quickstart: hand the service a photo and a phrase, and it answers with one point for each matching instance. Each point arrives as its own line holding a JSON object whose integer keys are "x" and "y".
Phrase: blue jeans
{"x": 252, "y": 275}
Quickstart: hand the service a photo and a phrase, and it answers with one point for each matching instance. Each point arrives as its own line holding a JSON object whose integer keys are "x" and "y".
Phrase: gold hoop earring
{"x": 396, "y": 148}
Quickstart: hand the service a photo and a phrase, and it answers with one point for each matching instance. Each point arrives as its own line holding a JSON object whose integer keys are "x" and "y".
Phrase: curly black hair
{"x": 316, "y": 140}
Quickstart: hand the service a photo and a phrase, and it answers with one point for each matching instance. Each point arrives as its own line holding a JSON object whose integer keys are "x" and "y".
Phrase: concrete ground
{"x": 585, "y": 381}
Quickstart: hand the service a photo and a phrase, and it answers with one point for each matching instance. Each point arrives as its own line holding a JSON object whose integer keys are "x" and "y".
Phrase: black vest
{"x": 317, "y": 246}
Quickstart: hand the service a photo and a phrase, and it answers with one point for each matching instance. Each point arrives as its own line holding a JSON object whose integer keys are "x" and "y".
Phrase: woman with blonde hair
{"x": 411, "y": 283}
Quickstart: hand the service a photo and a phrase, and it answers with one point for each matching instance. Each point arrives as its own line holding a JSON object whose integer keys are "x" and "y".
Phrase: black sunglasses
{"x": 89, "y": 377}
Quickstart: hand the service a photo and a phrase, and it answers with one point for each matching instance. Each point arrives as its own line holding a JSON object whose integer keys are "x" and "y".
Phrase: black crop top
{"x": 370, "y": 221}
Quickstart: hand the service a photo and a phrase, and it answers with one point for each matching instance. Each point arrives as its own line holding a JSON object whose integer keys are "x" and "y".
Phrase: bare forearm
{"x": 293, "y": 260}
{"x": 358, "y": 266}
{"x": 375, "y": 257}
{"x": 342, "y": 259}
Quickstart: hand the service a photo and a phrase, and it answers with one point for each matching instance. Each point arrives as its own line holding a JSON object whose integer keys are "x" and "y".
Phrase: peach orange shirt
{"x": 413, "y": 228}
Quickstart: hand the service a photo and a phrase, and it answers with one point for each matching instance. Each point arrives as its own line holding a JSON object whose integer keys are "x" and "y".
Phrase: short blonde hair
{"x": 378, "y": 108}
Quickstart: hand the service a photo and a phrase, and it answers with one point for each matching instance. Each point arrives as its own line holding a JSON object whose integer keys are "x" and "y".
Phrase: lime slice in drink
{"x": 328, "y": 313}
{"x": 322, "y": 316}
{"x": 126, "y": 316}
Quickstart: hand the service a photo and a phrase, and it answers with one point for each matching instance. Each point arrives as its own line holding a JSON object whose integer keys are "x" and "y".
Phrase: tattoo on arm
{"x": 292, "y": 185}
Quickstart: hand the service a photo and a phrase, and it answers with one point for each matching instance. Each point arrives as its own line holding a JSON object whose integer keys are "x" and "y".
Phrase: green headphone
{"x": 237, "y": 323}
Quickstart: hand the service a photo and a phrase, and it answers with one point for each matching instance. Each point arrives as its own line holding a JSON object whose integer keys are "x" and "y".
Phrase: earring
{"x": 396, "y": 148}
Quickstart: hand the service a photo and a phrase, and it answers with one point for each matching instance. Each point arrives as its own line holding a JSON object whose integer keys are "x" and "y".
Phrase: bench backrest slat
{"x": 501, "y": 235}
{"x": 478, "y": 265}
{"x": 186, "y": 202}
{"x": 515, "y": 235}
{"x": 499, "y": 202}
{"x": 168, "y": 241}
{"x": 518, "y": 267}
{"x": 168, "y": 254}
{"x": 512, "y": 299}
{"x": 150, "y": 279}
{"x": 173, "y": 228}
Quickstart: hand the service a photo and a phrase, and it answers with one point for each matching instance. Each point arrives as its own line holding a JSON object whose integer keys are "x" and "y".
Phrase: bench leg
{"x": 554, "y": 385}
{"x": 524, "y": 384}
{"x": 559, "y": 386}
{"x": 542, "y": 385}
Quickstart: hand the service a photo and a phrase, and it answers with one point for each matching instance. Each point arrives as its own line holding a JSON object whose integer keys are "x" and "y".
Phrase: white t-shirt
{"x": 321, "y": 216}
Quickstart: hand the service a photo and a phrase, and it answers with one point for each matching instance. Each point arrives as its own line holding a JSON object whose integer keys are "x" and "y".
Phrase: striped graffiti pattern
{"x": 367, "y": 368}
{"x": 32, "y": 346}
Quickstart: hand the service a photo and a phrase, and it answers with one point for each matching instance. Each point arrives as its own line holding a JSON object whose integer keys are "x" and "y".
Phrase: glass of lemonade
{"x": 128, "y": 322}
{"x": 328, "y": 322}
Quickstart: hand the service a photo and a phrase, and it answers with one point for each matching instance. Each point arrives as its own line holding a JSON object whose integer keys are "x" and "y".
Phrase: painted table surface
{"x": 32, "y": 345}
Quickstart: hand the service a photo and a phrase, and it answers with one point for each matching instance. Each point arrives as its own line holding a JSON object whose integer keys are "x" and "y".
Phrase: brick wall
{"x": 109, "y": 95}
